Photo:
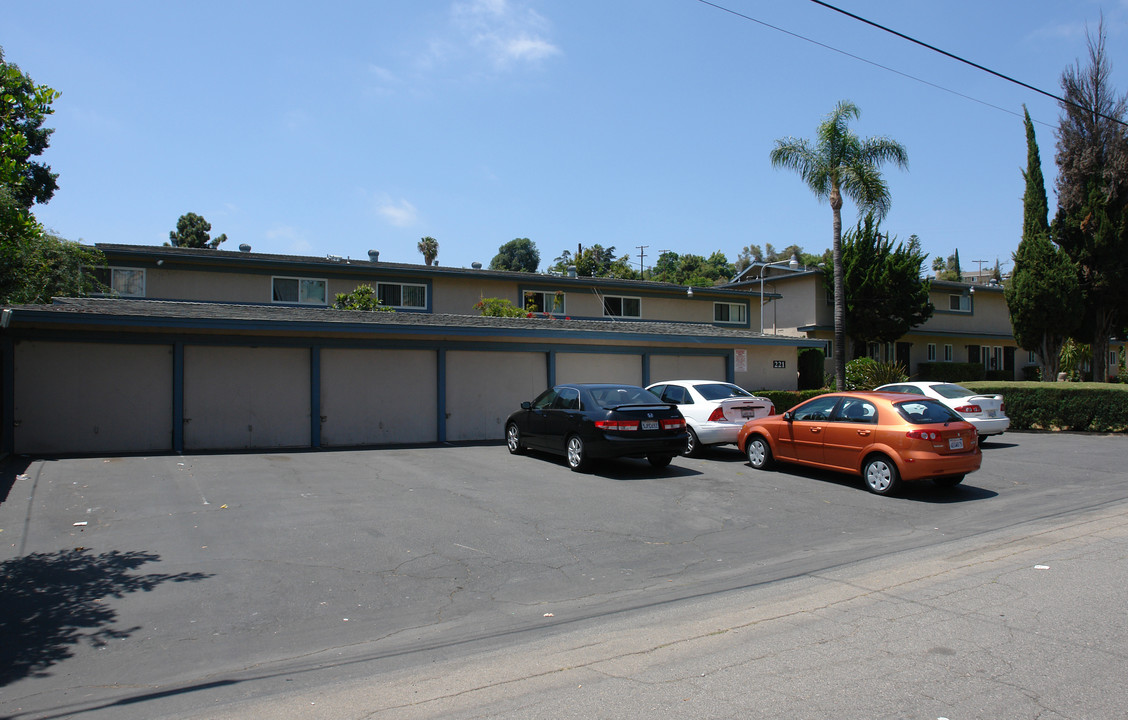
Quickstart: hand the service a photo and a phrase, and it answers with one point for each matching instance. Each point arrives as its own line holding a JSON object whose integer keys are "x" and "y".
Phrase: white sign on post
{"x": 740, "y": 360}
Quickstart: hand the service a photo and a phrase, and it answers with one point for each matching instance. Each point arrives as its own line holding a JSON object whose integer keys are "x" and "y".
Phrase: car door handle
{"x": 863, "y": 432}
{"x": 816, "y": 429}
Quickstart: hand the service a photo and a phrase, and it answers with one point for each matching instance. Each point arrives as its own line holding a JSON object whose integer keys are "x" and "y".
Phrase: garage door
{"x": 246, "y": 398}
{"x": 483, "y": 388}
{"x": 372, "y": 397}
{"x": 598, "y": 368}
{"x": 92, "y": 398}
{"x": 687, "y": 367}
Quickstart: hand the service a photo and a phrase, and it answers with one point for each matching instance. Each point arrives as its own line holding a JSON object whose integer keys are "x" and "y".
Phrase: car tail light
{"x": 674, "y": 424}
{"x": 771, "y": 409}
{"x": 923, "y": 434}
{"x": 969, "y": 409}
{"x": 617, "y": 424}
{"x": 717, "y": 416}
{"x": 1002, "y": 407}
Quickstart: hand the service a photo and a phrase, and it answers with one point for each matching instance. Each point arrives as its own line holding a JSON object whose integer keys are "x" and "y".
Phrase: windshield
{"x": 925, "y": 411}
{"x": 611, "y": 396}
{"x": 720, "y": 391}
{"x": 951, "y": 390}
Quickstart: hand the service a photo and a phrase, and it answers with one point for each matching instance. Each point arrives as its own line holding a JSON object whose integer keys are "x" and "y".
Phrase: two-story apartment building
{"x": 970, "y": 323}
{"x": 201, "y": 349}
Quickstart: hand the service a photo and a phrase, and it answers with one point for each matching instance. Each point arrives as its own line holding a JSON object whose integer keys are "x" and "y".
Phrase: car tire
{"x": 659, "y": 461}
{"x": 759, "y": 452}
{"x": 576, "y": 454}
{"x": 947, "y": 482}
{"x": 513, "y": 439}
{"x": 880, "y": 475}
{"x": 692, "y": 444}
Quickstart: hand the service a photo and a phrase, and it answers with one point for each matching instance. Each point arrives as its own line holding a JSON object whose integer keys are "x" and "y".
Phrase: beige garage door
{"x": 483, "y": 388}
{"x": 599, "y": 368}
{"x": 240, "y": 397}
{"x": 92, "y": 398}
{"x": 686, "y": 367}
{"x": 372, "y": 397}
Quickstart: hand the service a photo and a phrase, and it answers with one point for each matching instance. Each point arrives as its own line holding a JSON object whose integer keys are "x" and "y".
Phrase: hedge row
{"x": 1089, "y": 407}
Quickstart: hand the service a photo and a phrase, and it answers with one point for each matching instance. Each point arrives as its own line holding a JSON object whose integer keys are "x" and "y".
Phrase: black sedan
{"x": 587, "y": 421}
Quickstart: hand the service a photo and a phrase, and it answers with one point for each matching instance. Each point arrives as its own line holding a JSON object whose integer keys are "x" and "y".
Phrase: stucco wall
{"x": 599, "y": 368}
{"x": 687, "y": 367}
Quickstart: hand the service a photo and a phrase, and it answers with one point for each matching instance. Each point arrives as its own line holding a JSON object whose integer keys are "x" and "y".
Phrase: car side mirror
{"x": 788, "y": 416}
{"x": 526, "y": 405}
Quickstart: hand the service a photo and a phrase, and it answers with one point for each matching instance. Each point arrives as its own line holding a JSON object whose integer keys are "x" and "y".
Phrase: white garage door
{"x": 372, "y": 397}
{"x": 687, "y": 367}
{"x": 92, "y": 398}
{"x": 599, "y": 368}
{"x": 246, "y": 397}
{"x": 483, "y": 388}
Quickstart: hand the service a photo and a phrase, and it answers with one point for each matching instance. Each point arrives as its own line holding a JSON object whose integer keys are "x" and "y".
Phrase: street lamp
{"x": 793, "y": 263}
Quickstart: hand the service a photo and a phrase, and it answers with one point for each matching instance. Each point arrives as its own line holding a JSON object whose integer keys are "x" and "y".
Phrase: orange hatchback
{"x": 884, "y": 437}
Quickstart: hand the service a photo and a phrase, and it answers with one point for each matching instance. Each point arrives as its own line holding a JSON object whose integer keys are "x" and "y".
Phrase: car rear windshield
{"x": 951, "y": 390}
{"x": 720, "y": 391}
{"x": 610, "y": 397}
{"x": 926, "y": 412}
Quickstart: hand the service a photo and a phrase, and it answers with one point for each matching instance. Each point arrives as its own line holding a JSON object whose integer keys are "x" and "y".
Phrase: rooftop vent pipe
{"x": 244, "y": 248}
{"x": 374, "y": 255}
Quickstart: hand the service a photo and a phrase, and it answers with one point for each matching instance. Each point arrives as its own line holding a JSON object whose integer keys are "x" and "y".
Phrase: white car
{"x": 986, "y": 412}
{"x": 714, "y": 411}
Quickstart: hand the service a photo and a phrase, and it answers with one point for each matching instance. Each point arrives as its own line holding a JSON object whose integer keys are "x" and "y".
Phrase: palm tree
{"x": 840, "y": 163}
{"x": 429, "y": 246}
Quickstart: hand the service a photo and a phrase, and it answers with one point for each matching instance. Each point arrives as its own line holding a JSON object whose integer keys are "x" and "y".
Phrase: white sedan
{"x": 986, "y": 412}
{"x": 714, "y": 411}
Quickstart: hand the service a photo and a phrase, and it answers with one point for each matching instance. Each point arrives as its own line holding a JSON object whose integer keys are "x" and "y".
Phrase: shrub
{"x": 498, "y": 307}
{"x": 1091, "y": 407}
{"x": 811, "y": 373}
{"x": 362, "y": 298}
{"x": 866, "y": 374}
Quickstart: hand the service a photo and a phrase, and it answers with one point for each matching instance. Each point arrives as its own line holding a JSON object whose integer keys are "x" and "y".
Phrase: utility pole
{"x": 641, "y": 258}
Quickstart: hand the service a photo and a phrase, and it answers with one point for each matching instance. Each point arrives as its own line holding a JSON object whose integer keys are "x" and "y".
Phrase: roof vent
{"x": 476, "y": 265}
{"x": 374, "y": 255}
{"x": 244, "y": 248}
{"x": 571, "y": 271}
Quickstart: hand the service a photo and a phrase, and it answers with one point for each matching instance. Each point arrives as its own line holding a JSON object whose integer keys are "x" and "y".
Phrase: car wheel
{"x": 692, "y": 445}
{"x": 577, "y": 456}
{"x": 659, "y": 461}
{"x": 759, "y": 452}
{"x": 880, "y": 475}
{"x": 950, "y": 481}
{"x": 513, "y": 439}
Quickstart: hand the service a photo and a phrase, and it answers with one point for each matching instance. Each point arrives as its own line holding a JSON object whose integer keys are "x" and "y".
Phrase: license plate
{"x": 991, "y": 413}
{"x": 955, "y": 443}
{"x": 649, "y": 424}
{"x": 747, "y": 413}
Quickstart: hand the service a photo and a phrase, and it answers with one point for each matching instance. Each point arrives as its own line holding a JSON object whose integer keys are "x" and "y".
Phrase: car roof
{"x": 592, "y": 386}
{"x": 691, "y": 382}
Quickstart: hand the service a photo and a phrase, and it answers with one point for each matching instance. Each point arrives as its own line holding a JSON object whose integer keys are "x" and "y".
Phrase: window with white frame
{"x": 1032, "y": 357}
{"x": 545, "y": 301}
{"x": 931, "y": 352}
{"x": 959, "y": 303}
{"x": 622, "y": 306}
{"x": 299, "y": 291}
{"x": 125, "y": 282}
{"x": 730, "y": 313}
{"x": 1113, "y": 359}
{"x": 947, "y": 353}
{"x": 402, "y": 295}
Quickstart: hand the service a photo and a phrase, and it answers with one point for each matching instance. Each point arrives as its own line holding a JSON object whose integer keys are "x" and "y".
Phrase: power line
{"x": 977, "y": 66}
{"x": 890, "y": 69}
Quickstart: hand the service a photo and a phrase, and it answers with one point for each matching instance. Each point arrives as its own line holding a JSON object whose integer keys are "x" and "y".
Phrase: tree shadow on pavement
{"x": 50, "y": 602}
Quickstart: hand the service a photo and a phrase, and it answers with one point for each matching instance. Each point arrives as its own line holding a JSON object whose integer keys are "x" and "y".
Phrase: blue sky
{"x": 334, "y": 128}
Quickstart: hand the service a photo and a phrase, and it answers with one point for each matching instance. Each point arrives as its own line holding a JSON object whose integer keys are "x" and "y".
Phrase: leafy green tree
{"x": 362, "y": 298}
{"x": 1091, "y": 224}
{"x": 499, "y": 307}
{"x": 694, "y": 270}
{"x": 193, "y": 231}
{"x": 24, "y": 106}
{"x": 885, "y": 296}
{"x": 518, "y": 254}
{"x": 840, "y": 164}
{"x": 1042, "y": 294}
{"x": 429, "y": 248}
{"x": 34, "y": 265}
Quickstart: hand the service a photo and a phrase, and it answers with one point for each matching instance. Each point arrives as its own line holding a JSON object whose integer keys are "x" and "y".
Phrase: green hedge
{"x": 1090, "y": 407}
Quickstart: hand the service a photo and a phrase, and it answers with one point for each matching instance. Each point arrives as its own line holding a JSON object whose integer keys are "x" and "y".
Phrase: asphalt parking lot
{"x": 157, "y": 586}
